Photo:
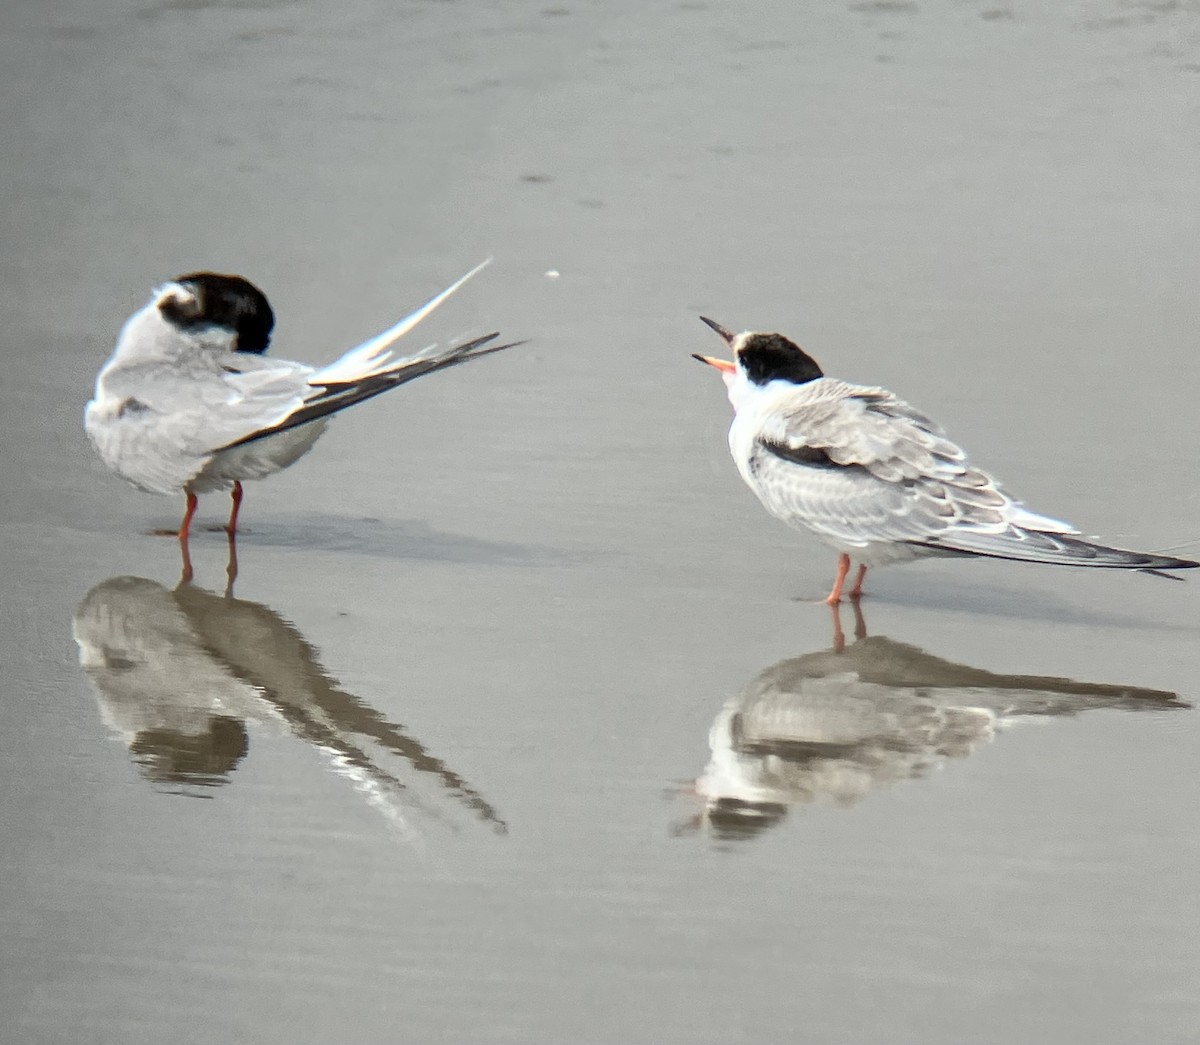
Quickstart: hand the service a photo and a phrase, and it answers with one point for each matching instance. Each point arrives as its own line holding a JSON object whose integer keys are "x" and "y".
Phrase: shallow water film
{"x": 511, "y": 716}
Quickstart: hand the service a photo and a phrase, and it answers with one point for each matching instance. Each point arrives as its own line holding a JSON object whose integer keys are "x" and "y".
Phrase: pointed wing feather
{"x": 1053, "y": 549}
{"x": 374, "y": 355}
{"x": 331, "y": 399}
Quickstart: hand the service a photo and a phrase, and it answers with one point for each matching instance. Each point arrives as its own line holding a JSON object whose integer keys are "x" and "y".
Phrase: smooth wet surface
{"x": 520, "y": 723}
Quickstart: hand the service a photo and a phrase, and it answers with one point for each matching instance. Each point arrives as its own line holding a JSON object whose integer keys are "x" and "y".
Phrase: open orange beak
{"x": 722, "y": 365}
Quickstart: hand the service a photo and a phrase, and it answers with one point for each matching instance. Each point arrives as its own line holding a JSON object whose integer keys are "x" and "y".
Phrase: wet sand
{"x": 441, "y": 767}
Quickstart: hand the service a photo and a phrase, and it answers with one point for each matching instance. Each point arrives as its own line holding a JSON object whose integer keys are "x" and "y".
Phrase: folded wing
{"x": 859, "y": 466}
{"x": 199, "y": 405}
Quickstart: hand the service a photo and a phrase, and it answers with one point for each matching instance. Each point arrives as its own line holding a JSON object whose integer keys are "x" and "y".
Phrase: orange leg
{"x": 186, "y": 525}
{"x": 856, "y": 591}
{"x": 835, "y": 596}
{"x": 237, "y": 507}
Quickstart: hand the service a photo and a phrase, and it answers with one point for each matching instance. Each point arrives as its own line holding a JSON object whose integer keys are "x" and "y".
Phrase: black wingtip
{"x": 1157, "y": 564}
{"x": 471, "y": 345}
{"x": 1055, "y": 549}
{"x": 1160, "y": 564}
{"x": 339, "y": 396}
{"x": 476, "y": 348}
{"x": 467, "y": 346}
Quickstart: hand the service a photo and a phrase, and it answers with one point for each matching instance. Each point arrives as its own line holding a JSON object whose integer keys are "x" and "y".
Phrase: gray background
{"x": 545, "y": 565}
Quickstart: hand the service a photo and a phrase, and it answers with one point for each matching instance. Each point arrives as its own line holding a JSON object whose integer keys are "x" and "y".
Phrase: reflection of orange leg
{"x": 231, "y": 568}
{"x": 856, "y": 591}
{"x": 839, "y": 636}
{"x": 185, "y": 576}
{"x": 835, "y": 596}
{"x": 237, "y": 507}
{"x": 860, "y": 622}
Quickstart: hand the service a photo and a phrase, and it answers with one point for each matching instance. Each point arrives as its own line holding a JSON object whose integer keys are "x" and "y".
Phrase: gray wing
{"x": 164, "y": 421}
{"x": 214, "y": 401}
{"x": 858, "y": 465}
{"x": 187, "y": 411}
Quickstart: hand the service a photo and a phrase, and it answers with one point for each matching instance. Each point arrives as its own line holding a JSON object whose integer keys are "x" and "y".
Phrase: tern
{"x": 876, "y": 479}
{"x": 189, "y": 403}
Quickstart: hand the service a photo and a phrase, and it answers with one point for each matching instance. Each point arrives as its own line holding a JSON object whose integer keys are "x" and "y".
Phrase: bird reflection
{"x": 835, "y": 725}
{"x": 178, "y": 674}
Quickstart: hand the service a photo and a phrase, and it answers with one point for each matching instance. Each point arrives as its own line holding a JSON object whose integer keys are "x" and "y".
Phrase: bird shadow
{"x": 410, "y": 539}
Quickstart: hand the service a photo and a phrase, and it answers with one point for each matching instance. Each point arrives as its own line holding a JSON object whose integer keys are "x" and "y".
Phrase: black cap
{"x": 772, "y": 357}
{"x": 231, "y": 302}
